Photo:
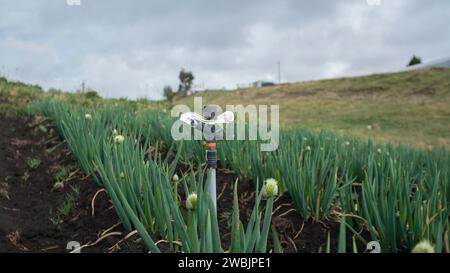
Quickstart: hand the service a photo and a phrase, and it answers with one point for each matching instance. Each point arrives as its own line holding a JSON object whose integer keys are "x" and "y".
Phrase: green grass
{"x": 15, "y": 96}
{"x": 402, "y": 108}
{"x": 68, "y": 206}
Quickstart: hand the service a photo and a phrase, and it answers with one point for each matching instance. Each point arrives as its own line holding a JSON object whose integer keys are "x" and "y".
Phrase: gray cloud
{"x": 133, "y": 48}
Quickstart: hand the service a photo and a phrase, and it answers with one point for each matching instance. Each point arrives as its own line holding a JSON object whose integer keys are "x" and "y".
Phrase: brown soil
{"x": 29, "y": 204}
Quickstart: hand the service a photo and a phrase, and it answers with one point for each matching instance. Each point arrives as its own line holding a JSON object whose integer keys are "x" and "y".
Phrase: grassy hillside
{"x": 15, "y": 96}
{"x": 408, "y": 107}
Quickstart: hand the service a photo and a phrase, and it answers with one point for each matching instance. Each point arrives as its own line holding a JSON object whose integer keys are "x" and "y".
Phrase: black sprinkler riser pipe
{"x": 211, "y": 158}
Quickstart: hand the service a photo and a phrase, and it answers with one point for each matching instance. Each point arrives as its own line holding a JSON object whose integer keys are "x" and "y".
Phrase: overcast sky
{"x": 133, "y": 48}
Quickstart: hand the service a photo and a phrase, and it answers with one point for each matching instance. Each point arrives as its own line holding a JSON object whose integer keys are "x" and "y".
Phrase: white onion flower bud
{"x": 270, "y": 188}
{"x": 119, "y": 139}
{"x": 423, "y": 247}
{"x": 175, "y": 178}
{"x": 191, "y": 201}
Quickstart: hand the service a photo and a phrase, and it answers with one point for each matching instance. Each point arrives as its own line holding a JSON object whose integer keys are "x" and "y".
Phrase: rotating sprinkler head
{"x": 211, "y": 125}
{"x": 202, "y": 123}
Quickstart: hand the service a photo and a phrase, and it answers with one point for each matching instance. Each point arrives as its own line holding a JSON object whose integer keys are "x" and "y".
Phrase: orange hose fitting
{"x": 211, "y": 145}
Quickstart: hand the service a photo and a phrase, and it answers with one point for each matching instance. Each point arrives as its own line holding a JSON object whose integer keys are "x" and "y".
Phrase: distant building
{"x": 262, "y": 84}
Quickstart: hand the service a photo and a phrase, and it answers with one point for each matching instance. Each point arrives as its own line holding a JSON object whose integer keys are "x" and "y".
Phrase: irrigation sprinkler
{"x": 210, "y": 124}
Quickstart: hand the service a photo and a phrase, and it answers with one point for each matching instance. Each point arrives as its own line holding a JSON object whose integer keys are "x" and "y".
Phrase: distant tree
{"x": 168, "y": 93}
{"x": 186, "y": 79}
{"x": 91, "y": 94}
{"x": 414, "y": 61}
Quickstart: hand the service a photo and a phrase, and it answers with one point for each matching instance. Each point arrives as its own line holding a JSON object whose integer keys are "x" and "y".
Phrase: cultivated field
{"x": 335, "y": 191}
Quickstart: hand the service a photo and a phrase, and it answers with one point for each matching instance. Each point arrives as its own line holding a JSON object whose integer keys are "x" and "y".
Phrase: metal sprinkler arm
{"x": 226, "y": 117}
